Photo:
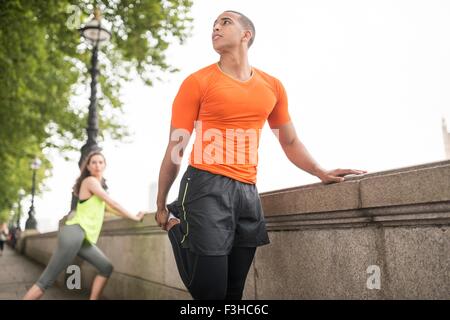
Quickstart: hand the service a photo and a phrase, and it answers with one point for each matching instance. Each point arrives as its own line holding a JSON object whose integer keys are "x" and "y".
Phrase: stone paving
{"x": 18, "y": 274}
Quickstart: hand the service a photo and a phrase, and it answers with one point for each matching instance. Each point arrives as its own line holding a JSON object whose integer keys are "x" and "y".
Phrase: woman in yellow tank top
{"x": 79, "y": 234}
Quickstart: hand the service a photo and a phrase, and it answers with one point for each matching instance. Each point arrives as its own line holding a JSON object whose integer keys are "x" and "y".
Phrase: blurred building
{"x": 153, "y": 192}
{"x": 446, "y": 135}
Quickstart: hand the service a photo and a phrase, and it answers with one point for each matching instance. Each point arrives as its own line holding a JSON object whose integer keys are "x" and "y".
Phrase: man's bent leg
{"x": 209, "y": 277}
{"x": 182, "y": 258}
{"x": 204, "y": 276}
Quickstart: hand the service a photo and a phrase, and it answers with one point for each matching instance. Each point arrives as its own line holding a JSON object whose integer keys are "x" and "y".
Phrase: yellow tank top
{"x": 89, "y": 215}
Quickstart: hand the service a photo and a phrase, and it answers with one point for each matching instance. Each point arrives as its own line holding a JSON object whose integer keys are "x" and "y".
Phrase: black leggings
{"x": 212, "y": 277}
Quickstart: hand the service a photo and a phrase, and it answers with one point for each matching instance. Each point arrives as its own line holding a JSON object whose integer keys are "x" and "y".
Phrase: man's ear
{"x": 247, "y": 35}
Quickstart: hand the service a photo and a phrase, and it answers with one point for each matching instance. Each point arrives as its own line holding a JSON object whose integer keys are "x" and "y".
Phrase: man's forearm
{"x": 167, "y": 175}
{"x": 300, "y": 157}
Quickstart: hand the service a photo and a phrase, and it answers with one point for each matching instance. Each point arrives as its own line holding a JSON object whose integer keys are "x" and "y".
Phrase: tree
{"x": 44, "y": 63}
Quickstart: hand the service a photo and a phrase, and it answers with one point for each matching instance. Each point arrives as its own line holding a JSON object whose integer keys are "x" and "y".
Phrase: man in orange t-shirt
{"x": 216, "y": 223}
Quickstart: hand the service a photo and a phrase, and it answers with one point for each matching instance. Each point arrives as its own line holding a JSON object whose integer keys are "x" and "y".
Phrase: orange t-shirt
{"x": 228, "y": 115}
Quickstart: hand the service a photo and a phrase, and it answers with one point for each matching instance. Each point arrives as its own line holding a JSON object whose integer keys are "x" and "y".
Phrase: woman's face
{"x": 96, "y": 165}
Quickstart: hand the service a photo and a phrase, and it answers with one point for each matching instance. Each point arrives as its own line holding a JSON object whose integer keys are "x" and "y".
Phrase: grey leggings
{"x": 70, "y": 244}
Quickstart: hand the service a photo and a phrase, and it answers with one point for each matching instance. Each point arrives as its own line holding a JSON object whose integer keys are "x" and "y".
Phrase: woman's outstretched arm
{"x": 94, "y": 186}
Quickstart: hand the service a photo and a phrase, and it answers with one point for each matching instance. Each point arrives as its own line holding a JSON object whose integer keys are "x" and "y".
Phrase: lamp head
{"x": 93, "y": 31}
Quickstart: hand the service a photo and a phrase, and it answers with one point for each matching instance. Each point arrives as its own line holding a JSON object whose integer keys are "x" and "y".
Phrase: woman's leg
{"x": 34, "y": 293}
{"x": 97, "y": 287}
{"x": 93, "y": 255}
{"x": 70, "y": 239}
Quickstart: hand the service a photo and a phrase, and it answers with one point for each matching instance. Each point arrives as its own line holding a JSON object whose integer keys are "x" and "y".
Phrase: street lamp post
{"x": 19, "y": 212}
{"x": 95, "y": 34}
{"x": 31, "y": 221}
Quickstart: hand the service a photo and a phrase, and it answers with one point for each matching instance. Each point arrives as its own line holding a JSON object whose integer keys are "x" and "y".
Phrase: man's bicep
{"x": 285, "y": 133}
{"x": 178, "y": 142}
{"x": 178, "y": 135}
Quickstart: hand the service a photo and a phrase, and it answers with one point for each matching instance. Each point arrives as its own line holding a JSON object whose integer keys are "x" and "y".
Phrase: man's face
{"x": 227, "y": 32}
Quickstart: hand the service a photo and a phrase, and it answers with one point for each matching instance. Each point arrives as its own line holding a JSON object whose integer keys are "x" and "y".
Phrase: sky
{"x": 368, "y": 83}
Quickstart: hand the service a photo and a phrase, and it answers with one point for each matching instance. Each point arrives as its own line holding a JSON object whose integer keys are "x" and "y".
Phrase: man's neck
{"x": 236, "y": 66}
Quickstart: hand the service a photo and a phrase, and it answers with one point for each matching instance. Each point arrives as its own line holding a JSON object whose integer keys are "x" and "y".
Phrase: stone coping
{"x": 422, "y": 184}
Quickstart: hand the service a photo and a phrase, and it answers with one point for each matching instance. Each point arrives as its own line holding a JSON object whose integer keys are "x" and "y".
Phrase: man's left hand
{"x": 337, "y": 175}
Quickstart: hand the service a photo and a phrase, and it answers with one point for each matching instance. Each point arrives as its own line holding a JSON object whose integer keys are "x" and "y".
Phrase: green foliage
{"x": 44, "y": 62}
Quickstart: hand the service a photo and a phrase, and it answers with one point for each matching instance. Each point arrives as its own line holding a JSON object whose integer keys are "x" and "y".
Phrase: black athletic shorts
{"x": 217, "y": 213}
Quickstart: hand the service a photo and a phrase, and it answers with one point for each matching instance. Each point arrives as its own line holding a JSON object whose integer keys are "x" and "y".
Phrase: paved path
{"x": 17, "y": 275}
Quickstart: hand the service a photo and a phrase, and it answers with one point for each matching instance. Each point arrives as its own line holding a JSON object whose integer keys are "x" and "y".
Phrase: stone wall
{"x": 326, "y": 242}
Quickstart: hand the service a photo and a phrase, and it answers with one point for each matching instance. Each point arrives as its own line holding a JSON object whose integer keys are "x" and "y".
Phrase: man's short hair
{"x": 247, "y": 23}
